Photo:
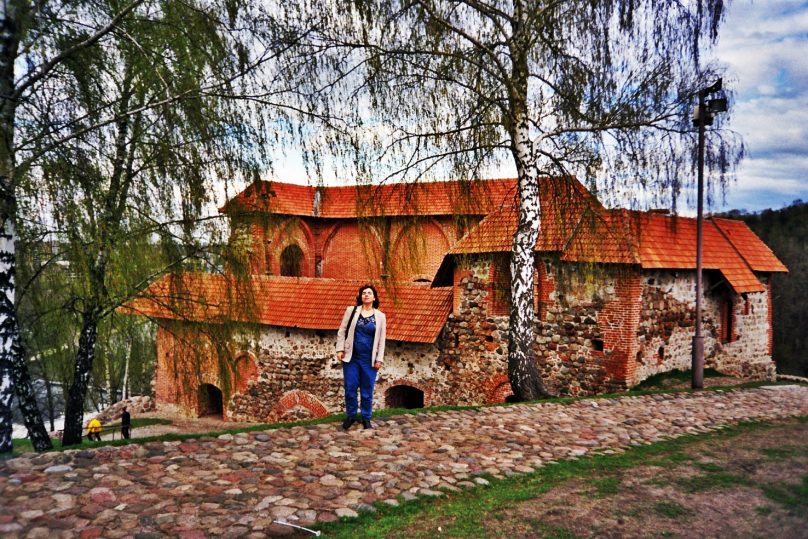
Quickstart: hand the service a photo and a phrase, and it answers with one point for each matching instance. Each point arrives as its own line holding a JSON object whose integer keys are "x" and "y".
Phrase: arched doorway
{"x": 211, "y": 401}
{"x": 404, "y": 397}
{"x": 292, "y": 261}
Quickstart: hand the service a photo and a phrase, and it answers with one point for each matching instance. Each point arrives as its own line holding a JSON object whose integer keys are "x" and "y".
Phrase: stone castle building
{"x": 614, "y": 298}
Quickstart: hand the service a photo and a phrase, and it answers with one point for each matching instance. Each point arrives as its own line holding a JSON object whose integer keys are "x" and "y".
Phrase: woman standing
{"x": 360, "y": 348}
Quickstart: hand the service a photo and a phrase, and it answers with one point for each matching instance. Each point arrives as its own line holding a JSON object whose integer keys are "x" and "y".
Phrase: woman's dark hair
{"x": 375, "y": 295}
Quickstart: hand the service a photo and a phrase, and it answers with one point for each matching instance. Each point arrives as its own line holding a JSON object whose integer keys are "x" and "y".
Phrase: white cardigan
{"x": 345, "y": 335}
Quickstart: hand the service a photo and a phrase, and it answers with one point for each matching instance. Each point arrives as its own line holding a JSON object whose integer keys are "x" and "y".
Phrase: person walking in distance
{"x": 126, "y": 423}
{"x": 360, "y": 348}
{"x": 94, "y": 430}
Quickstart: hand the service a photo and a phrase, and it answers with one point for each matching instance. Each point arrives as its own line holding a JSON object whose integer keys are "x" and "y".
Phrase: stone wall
{"x": 586, "y": 318}
{"x": 598, "y": 329}
{"x": 668, "y": 318}
{"x": 277, "y": 374}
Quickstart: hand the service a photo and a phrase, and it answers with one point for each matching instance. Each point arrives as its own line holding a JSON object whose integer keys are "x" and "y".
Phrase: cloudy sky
{"x": 764, "y": 44}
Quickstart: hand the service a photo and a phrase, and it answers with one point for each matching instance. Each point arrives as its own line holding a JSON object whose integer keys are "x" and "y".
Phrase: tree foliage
{"x": 120, "y": 122}
{"x": 601, "y": 90}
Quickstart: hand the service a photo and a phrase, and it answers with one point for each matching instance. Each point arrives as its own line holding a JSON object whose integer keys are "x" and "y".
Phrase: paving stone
{"x": 235, "y": 485}
{"x": 343, "y": 512}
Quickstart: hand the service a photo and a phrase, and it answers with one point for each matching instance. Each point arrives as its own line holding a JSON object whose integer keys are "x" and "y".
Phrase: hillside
{"x": 786, "y": 232}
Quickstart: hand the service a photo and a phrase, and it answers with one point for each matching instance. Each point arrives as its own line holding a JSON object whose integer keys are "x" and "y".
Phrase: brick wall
{"x": 418, "y": 249}
{"x": 282, "y": 233}
{"x": 192, "y": 355}
{"x": 352, "y": 251}
{"x": 402, "y": 248}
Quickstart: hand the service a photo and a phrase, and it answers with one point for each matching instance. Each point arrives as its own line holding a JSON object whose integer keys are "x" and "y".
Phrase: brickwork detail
{"x": 292, "y": 231}
{"x": 297, "y": 404}
{"x": 497, "y": 389}
{"x": 418, "y": 251}
{"x": 400, "y": 248}
{"x": 352, "y": 251}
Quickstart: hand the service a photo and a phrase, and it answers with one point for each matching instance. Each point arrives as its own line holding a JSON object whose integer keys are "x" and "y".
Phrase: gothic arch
{"x": 425, "y": 388}
{"x": 245, "y": 370}
{"x": 497, "y": 388}
{"x": 293, "y": 231}
{"x": 419, "y": 257}
{"x": 352, "y": 251}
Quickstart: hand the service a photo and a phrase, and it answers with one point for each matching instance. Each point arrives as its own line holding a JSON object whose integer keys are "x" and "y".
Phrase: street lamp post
{"x": 702, "y": 117}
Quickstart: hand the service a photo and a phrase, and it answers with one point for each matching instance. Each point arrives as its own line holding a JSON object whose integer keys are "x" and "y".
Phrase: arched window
{"x": 292, "y": 261}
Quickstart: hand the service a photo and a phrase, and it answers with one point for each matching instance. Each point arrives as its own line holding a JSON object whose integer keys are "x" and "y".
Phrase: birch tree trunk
{"x": 13, "y": 369}
{"x": 127, "y": 355}
{"x": 74, "y": 406}
{"x": 523, "y": 373}
{"x": 8, "y": 330}
{"x": 110, "y": 396}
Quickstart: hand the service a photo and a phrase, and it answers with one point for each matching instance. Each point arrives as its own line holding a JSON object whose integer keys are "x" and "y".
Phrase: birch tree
{"x": 115, "y": 114}
{"x": 26, "y": 29}
{"x": 600, "y": 90}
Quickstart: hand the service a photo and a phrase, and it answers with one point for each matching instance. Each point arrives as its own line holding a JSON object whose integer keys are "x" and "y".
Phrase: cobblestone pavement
{"x": 236, "y": 485}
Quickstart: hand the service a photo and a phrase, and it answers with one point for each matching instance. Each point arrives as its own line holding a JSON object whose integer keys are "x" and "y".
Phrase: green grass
{"x": 709, "y": 467}
{"x": 546, "y": 531}
{"x": 778, "y": 453}
{"x": 606, "y": 486}
{"x": 676, "y": 457}
{"x": 464, "y": 514}
{"x": 711, "y": 481}
{"x": 790, "y": 495}
{"x": 658, "y": 380}
{"x": 23, "y": 445}
{"x": 671, "y": 509}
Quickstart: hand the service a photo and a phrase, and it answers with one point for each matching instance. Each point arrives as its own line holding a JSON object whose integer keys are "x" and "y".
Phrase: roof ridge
{"x": 734, "y": 247}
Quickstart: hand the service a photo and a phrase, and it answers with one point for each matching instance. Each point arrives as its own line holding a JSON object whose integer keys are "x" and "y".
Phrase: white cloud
{"x": 764, "y": 44}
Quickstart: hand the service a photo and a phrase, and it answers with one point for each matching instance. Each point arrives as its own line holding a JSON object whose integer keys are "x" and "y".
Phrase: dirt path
{"x": 754, "y": 484}
{"x": 185, "y": 425}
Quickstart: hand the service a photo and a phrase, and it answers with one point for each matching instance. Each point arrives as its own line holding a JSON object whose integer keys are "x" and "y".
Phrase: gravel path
{"x": 236, "y": 485}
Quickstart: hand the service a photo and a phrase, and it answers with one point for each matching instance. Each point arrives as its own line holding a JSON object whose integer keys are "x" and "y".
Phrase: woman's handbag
{"x": 348, "y": 327}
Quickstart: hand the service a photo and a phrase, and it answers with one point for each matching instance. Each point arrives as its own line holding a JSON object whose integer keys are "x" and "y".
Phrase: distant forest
{"x": 785, "y": 231}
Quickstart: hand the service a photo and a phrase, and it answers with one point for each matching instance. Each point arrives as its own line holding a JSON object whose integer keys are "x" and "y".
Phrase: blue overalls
{"x": 359, "y": 372}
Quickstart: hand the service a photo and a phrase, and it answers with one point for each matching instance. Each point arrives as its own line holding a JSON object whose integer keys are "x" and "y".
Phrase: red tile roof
{"x": 756, "y": 253}
{"x": 566, "y": 207}
{"x": 415, "y": 313}
{"x": 670, "y": 242}
{"x": 575, "y": 225}
{"x": 423, "y": 198}
{"x": 273, "y": 197}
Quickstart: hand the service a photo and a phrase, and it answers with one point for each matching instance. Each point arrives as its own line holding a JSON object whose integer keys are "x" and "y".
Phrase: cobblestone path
{"x": 236, "y": 485}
